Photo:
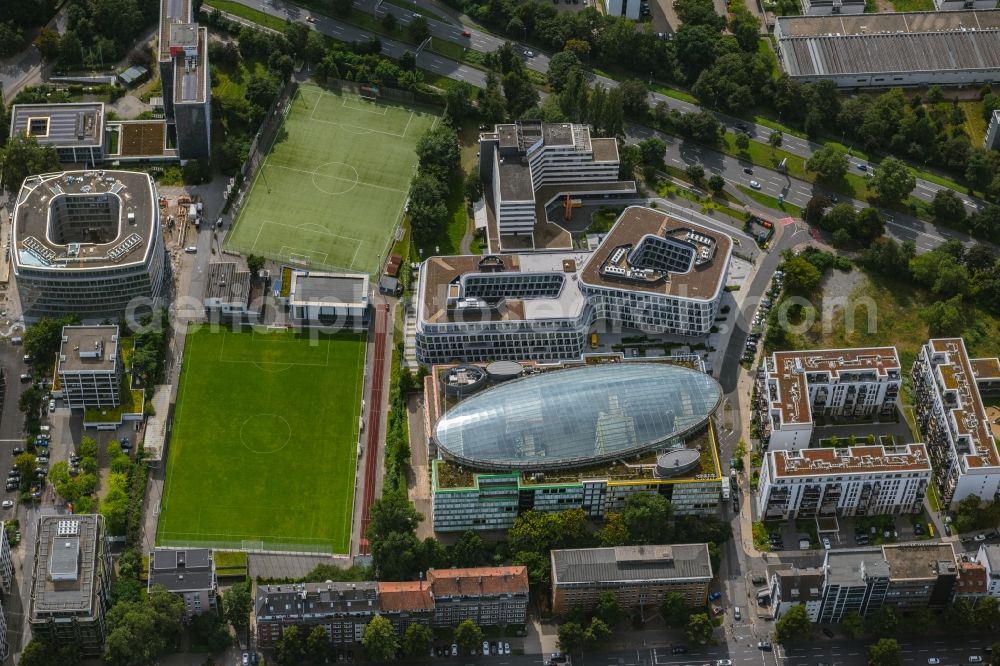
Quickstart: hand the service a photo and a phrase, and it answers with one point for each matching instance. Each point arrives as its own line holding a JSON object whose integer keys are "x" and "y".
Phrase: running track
{"x": 374, "y": 423}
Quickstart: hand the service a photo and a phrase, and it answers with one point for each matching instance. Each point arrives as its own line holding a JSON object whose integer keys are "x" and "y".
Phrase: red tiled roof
{"x": 405, "y": 596}
{"x": 478, "y": 581}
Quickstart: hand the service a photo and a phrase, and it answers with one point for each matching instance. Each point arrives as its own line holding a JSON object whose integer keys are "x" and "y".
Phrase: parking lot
{"x": 757, "y": 317}
{"x": 853, "y": 532}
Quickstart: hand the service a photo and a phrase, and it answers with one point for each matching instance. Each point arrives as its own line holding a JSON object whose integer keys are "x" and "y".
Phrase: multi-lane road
{"x": 478, "y": 40}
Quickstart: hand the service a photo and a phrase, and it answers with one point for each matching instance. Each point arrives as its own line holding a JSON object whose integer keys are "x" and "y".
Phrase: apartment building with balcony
{"x": 849, "y": 481}
{"x": 638, "y": 576}
{"x": 489, "y": 596}
{"x": 529, "y": 164}
{"x": 947, "y": 386}
{"x": 796, "y": 389}
{"x": 988, "y": 556}
{"x": 795, "y": 586}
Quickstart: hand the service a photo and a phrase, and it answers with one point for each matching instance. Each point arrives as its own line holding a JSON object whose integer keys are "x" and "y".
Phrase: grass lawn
{"x": 975, "y": 125}
{"x": 258, "y": 17}
{"x": 332, "y": 188}
{"x": 771, "y": 202}
{"x": 913, "y": 5}
{"x": 264, "y": 442}
{"x": 896, "y": 306}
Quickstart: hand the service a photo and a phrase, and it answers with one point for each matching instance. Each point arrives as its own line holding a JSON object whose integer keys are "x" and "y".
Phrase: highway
{"x": 485, "y": 42}
{"x": 682, "y": 153}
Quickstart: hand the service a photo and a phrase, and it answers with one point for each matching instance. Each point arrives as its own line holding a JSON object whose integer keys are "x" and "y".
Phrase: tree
{"x": 869, "y": 225}
{"x": 892, "y": 181}
{"x": 629, "y": 159}
{"x": 775, "y": 139}
{"x": 800, "y": 275}
{"x": 47, "y": 43}
{"x": 675, "y": 610}
{"x": 699, "y": 12}
{"x": 652, "y": 151}
{"x": 597, "y": 632}
{"x": 562, "y": 66}
{"x": 994, "y": 661}
{"x": 255, "y": 263}
{"x": 70, "y": 49}
{"x": 853, "y": 625}
{"x": 469, "y": 550}
{"x": 519, "y": 92}
{"x": 987, "y": 613}
{"x": 886, "y": 652}
{"x": 609, "y": 610}
{"x": 342, "y": 8}
{"x": 571, "y": 637}
{"x": 318, "y": 645}
{"x": 23, "y": 157}
{"x": 742, "y": 141}
{"x": 716, "y": 183}
{"x": 700, "y": 628}
{"x": 884, "y": 622}
{"x": 237, "y": 604}
{"x": 745, "y": 28}
{"x": 794, "y": 625}
{"x": 417, "y": 640}
{"x": 948, "y": 209}
{"x": 468, "y": 636}
{"x": 289, "y": 649}
{"x": 392, "y": 513}
{"x": 438, "y": 150}
{"x": 828, "y": 163}
{"x": 315, "y": 47}
{"x": 614, "y": 532}
{"x": 959, "y": 616}
{"x": 379, "y": 640}
{"x": 647, "y": 518}
{"x": 139, "y": 632}
{"x": 390, "y": 22}
{"x": 208, "y": 630}
{"x": 418, "y": 30}
{"x": 695, "y": 172}
{"x": 634, "y": 98}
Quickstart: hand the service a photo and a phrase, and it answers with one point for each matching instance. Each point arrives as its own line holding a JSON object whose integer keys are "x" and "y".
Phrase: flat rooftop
{"x": 46, "y": 236}
{"x": 970, "y": 415}
{"x": 88, "y": 348}
{"x": 181, "y": 570}
{"x": 515, "y": 181}
{"x": 701, "y": 282}
{"x": 171, "y": 11}
{"x": 890, "y": 43}
{"x": 917, "y": 561}
{"x": 191, "y": 74}
{"x": 228, "y": 283}
{"x": 626, "y": 564}
{"x": 328, "y": 289}
{"x": 75, "y": 124}
{"x": 851, "y": 460}
{"x": 68, "y": 551}
{"x": 846, "y": 567}
{"x": 792, "y": 371}
{"x": 605, "y": 150}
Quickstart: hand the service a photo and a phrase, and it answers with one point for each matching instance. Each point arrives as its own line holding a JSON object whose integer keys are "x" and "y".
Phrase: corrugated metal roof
{"x": 625, "y": 563}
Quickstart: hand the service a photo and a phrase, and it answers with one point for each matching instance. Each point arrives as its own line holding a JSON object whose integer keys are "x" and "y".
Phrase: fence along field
{"x": 331, "y": 191}
{"x": 262, "y": 453}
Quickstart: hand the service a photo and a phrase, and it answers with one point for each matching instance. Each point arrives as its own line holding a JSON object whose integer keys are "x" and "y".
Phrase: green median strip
{"x": 242, "y": 11}
{"x": 771, "y": 202}
{"x": 417, "y": 10}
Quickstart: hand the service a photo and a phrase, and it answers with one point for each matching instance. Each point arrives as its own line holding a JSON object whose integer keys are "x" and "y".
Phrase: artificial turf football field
{"x": 262, "y": 453}
{"x": 332, "y": 188}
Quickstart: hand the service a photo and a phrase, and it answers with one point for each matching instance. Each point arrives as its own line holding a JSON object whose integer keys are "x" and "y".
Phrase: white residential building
{"x": 6, "y": 566}
{"x": 797, "y": 388}
{"x": 90, "y": 367}
{"x": 952, "y": 418}
{"x": 989, "y": 557}
{"x": 653, "y": 272}
{"x": 627, "y": 8}
{"x": 861, "y": 480}
{"x": 522, "y": 158}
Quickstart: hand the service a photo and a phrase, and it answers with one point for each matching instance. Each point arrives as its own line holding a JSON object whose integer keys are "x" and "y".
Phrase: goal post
{"x": 370, "y": 93}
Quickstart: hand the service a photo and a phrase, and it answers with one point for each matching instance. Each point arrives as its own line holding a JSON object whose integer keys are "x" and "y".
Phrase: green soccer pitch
{"x": 262, "y": 454}
{"x": 331, "y": 191}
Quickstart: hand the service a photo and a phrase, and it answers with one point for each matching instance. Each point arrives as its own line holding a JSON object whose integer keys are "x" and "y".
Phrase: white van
{"x": 191, "y": 249}
{"x": 45, "y": 430}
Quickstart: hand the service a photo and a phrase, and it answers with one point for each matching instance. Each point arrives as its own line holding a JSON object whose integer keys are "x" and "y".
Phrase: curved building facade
{"x": 577, "y": 417}
{"x": 87, "y": 243}
{"x": 653, "y": 272}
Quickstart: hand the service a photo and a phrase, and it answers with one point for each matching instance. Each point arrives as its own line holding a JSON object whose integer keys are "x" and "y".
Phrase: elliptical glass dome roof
{"x": 577, "y": 417}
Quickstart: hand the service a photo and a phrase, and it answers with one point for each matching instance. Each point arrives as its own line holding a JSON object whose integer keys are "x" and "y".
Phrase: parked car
{"x": 486, "y": 647}
{"x": 52, "y": 406}
{"x": 980, "y": 537}
{"x": 754, "y": 184}
{"x": 737, "y": 613}
{"x": 765, "y": 646}
{"x": 975, "y": 659}
{"x": 827, "y": 632}
{"x": 17, "y": 450}
{"x": 246, "y": 656}
{"x": 506, "y": 647}
{"x": 454, "y": 649}
{"x": 826, "y": 543}
{"x": 714, "y": 596}
{"x": 7, "y": 504}
{"x": 933, "y": 660}
{"x": 679, "y": 649}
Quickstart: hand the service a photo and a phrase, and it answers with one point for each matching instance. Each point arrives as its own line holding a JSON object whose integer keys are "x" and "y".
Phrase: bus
{"x": 593, "y": 340}
{"x": 930, "y": 530}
